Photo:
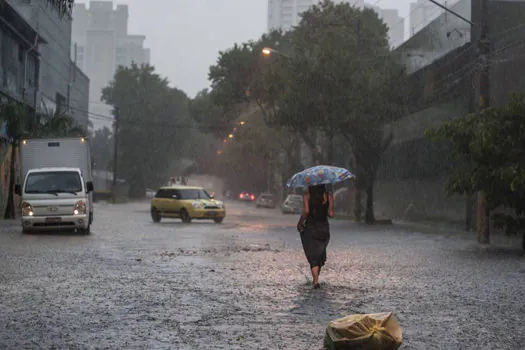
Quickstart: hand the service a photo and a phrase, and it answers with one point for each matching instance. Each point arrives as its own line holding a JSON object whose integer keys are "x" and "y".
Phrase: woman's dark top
{"x": 318, "y": 210}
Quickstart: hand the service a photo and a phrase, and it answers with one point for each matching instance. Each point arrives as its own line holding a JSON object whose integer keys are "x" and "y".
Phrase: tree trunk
{"x": 10, "y": 212}
{"x": 369, "y": 216}
{"x": 483, "y": 219}
{"x": 330, "y": 150}
{"x": 358, "y": 209}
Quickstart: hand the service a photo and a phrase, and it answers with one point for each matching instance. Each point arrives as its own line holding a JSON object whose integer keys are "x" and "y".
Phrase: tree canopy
{"x": 489, "y": 149}
{"x": 154, "y": 122}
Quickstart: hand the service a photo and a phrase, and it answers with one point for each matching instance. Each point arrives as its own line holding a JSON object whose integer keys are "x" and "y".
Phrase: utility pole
{"x": 115, "y": 152}
{"x": 483, "y": 212}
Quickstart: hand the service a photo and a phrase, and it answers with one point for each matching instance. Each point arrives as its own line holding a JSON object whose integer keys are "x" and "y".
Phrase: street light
{"x": 242, "y": 122}
{"x": 230, "y": 136}
{"x": 268, "y": 51}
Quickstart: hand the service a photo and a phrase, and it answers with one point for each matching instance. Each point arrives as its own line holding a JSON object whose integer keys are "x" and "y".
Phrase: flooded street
{"x": 244, "y": 285}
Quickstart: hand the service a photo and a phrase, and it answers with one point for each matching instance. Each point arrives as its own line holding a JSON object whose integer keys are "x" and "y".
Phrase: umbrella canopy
{"x": 319, "y": 175}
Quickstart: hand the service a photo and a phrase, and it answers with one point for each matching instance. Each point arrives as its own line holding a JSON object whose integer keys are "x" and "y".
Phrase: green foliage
{"x": 154, "y": 124}
{"x": 490, "y": 149}
{"x": 330, "y": 88}
{"x": 243, "y": 76}
{"x": 208, "y": 114}
{"x": 102, "y": 146}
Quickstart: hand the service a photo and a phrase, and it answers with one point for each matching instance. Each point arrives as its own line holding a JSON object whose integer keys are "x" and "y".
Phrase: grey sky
{"x": 185, "y": 36}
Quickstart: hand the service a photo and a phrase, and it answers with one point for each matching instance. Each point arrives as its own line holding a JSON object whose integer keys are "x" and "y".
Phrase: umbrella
{"x": 318, "y": 175}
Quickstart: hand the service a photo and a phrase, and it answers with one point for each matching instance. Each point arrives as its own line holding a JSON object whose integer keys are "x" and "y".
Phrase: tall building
{"x": 285, "y": 14}
{"x": 394, "y": 22}
{"x": 101, "y": 43}
{"x": 60, "y": 84}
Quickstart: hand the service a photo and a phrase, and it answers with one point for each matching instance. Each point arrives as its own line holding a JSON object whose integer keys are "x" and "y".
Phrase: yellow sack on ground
{"x": 379, "y": 331}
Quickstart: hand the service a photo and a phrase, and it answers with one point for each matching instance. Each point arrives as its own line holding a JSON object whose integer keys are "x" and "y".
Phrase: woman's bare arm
{"x": 306, "y": 211}
{"x": 331, "y": 205}
{"x": 306, "y": 205}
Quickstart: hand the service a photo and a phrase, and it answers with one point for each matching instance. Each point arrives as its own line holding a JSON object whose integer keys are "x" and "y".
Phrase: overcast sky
{"x": 185, "y": 36}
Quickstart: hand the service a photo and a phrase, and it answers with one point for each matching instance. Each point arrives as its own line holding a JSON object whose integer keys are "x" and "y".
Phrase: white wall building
{"x": 102, "y": 44}
{"x": 423, "y": 12}
{"x": 285, "y": 14}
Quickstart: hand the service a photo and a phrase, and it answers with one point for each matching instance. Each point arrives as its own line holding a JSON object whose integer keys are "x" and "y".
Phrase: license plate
{"x": 53, "y": 220}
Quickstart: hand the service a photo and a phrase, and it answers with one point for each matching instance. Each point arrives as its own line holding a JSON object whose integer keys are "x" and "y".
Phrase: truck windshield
{"x": 54, "y": 182}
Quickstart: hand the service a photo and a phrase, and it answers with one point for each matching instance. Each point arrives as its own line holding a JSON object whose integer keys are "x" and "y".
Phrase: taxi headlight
{"x": 27, "y": 209}
{"x": 80, "y": 208}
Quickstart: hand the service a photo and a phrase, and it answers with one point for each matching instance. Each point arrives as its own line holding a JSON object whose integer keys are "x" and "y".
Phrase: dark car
{"x": 265, "y": 200}
{"x": 246, "y": 196}
{"x": 293, "y": 204}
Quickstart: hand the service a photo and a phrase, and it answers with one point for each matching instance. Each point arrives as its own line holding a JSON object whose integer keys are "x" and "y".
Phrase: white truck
{"x": 57, "y": 192}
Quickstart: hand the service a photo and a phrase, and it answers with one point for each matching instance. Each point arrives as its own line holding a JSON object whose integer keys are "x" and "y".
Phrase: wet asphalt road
{"x": 244, "y": 285}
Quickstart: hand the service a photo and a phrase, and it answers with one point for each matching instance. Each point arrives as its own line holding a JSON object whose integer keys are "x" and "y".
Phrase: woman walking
{"x": 314, "y": 228}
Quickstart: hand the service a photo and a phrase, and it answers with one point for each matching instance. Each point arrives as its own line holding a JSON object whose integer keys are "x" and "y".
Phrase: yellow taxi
{"x": 187, "y": 203}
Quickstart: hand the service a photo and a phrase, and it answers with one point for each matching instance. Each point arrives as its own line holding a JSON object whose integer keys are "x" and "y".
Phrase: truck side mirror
{"x": 89, "y": 187}
{"x": 18, "y": 190}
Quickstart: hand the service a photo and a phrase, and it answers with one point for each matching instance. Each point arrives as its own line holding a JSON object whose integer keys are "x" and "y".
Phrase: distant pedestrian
{"x": 318, "y": 202}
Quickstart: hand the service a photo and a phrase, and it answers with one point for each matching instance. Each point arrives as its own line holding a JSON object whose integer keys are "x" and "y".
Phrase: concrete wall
{"x": 79, "y": 99}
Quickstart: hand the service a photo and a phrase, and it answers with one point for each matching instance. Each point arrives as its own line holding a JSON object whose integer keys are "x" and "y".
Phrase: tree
{"x": 208, "y": 115}
{"x": 242, "y": 76}
{"x": 102, "y": 148}
{"x": 489, "y": 150}
{"x": 154, "y": 123}
{"x": 330, "y": 89}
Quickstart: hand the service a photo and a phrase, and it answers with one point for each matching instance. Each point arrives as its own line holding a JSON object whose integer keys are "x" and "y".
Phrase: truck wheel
{"x": 155, "y": 216}
{"x": 184, "y": 216}
{"x": 218, "y": 220}
{"x": 86, "y": 231}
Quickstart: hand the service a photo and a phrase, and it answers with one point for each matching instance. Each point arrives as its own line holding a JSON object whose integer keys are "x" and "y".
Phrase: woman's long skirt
{"x": 315, "y": 239}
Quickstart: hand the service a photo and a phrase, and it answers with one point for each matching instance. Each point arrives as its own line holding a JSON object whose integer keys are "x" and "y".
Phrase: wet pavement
{"x": 245, "y": 284}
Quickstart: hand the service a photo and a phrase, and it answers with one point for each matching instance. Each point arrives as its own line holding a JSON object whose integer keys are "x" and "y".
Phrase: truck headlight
{"x": 80, "y": 208}
{"x": 27, "y": 209}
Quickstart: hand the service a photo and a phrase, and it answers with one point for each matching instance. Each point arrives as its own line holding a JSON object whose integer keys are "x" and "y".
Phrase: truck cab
{"x": 55, "y": 198}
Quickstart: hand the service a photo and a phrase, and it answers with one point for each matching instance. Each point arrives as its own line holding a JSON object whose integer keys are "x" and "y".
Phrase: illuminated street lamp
{"x": 242, "y": 122}
{"x": 268, "y": 51}
{"x": 219, "y": 152}
{"x": 230, "y": 136}
{"x": 225, "y": 141}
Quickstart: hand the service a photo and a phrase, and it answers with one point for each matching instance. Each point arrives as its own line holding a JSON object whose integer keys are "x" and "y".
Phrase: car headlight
{"x": 220, "y": 205}
{"x": 27, "y": 209}
{"x": 80, "y": 208}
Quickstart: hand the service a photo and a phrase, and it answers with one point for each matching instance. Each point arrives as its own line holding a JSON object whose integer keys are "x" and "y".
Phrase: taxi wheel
{"x": 155, "y": 216}
{"x": 218, "y": 220}
{"x": 185, "y": 217}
